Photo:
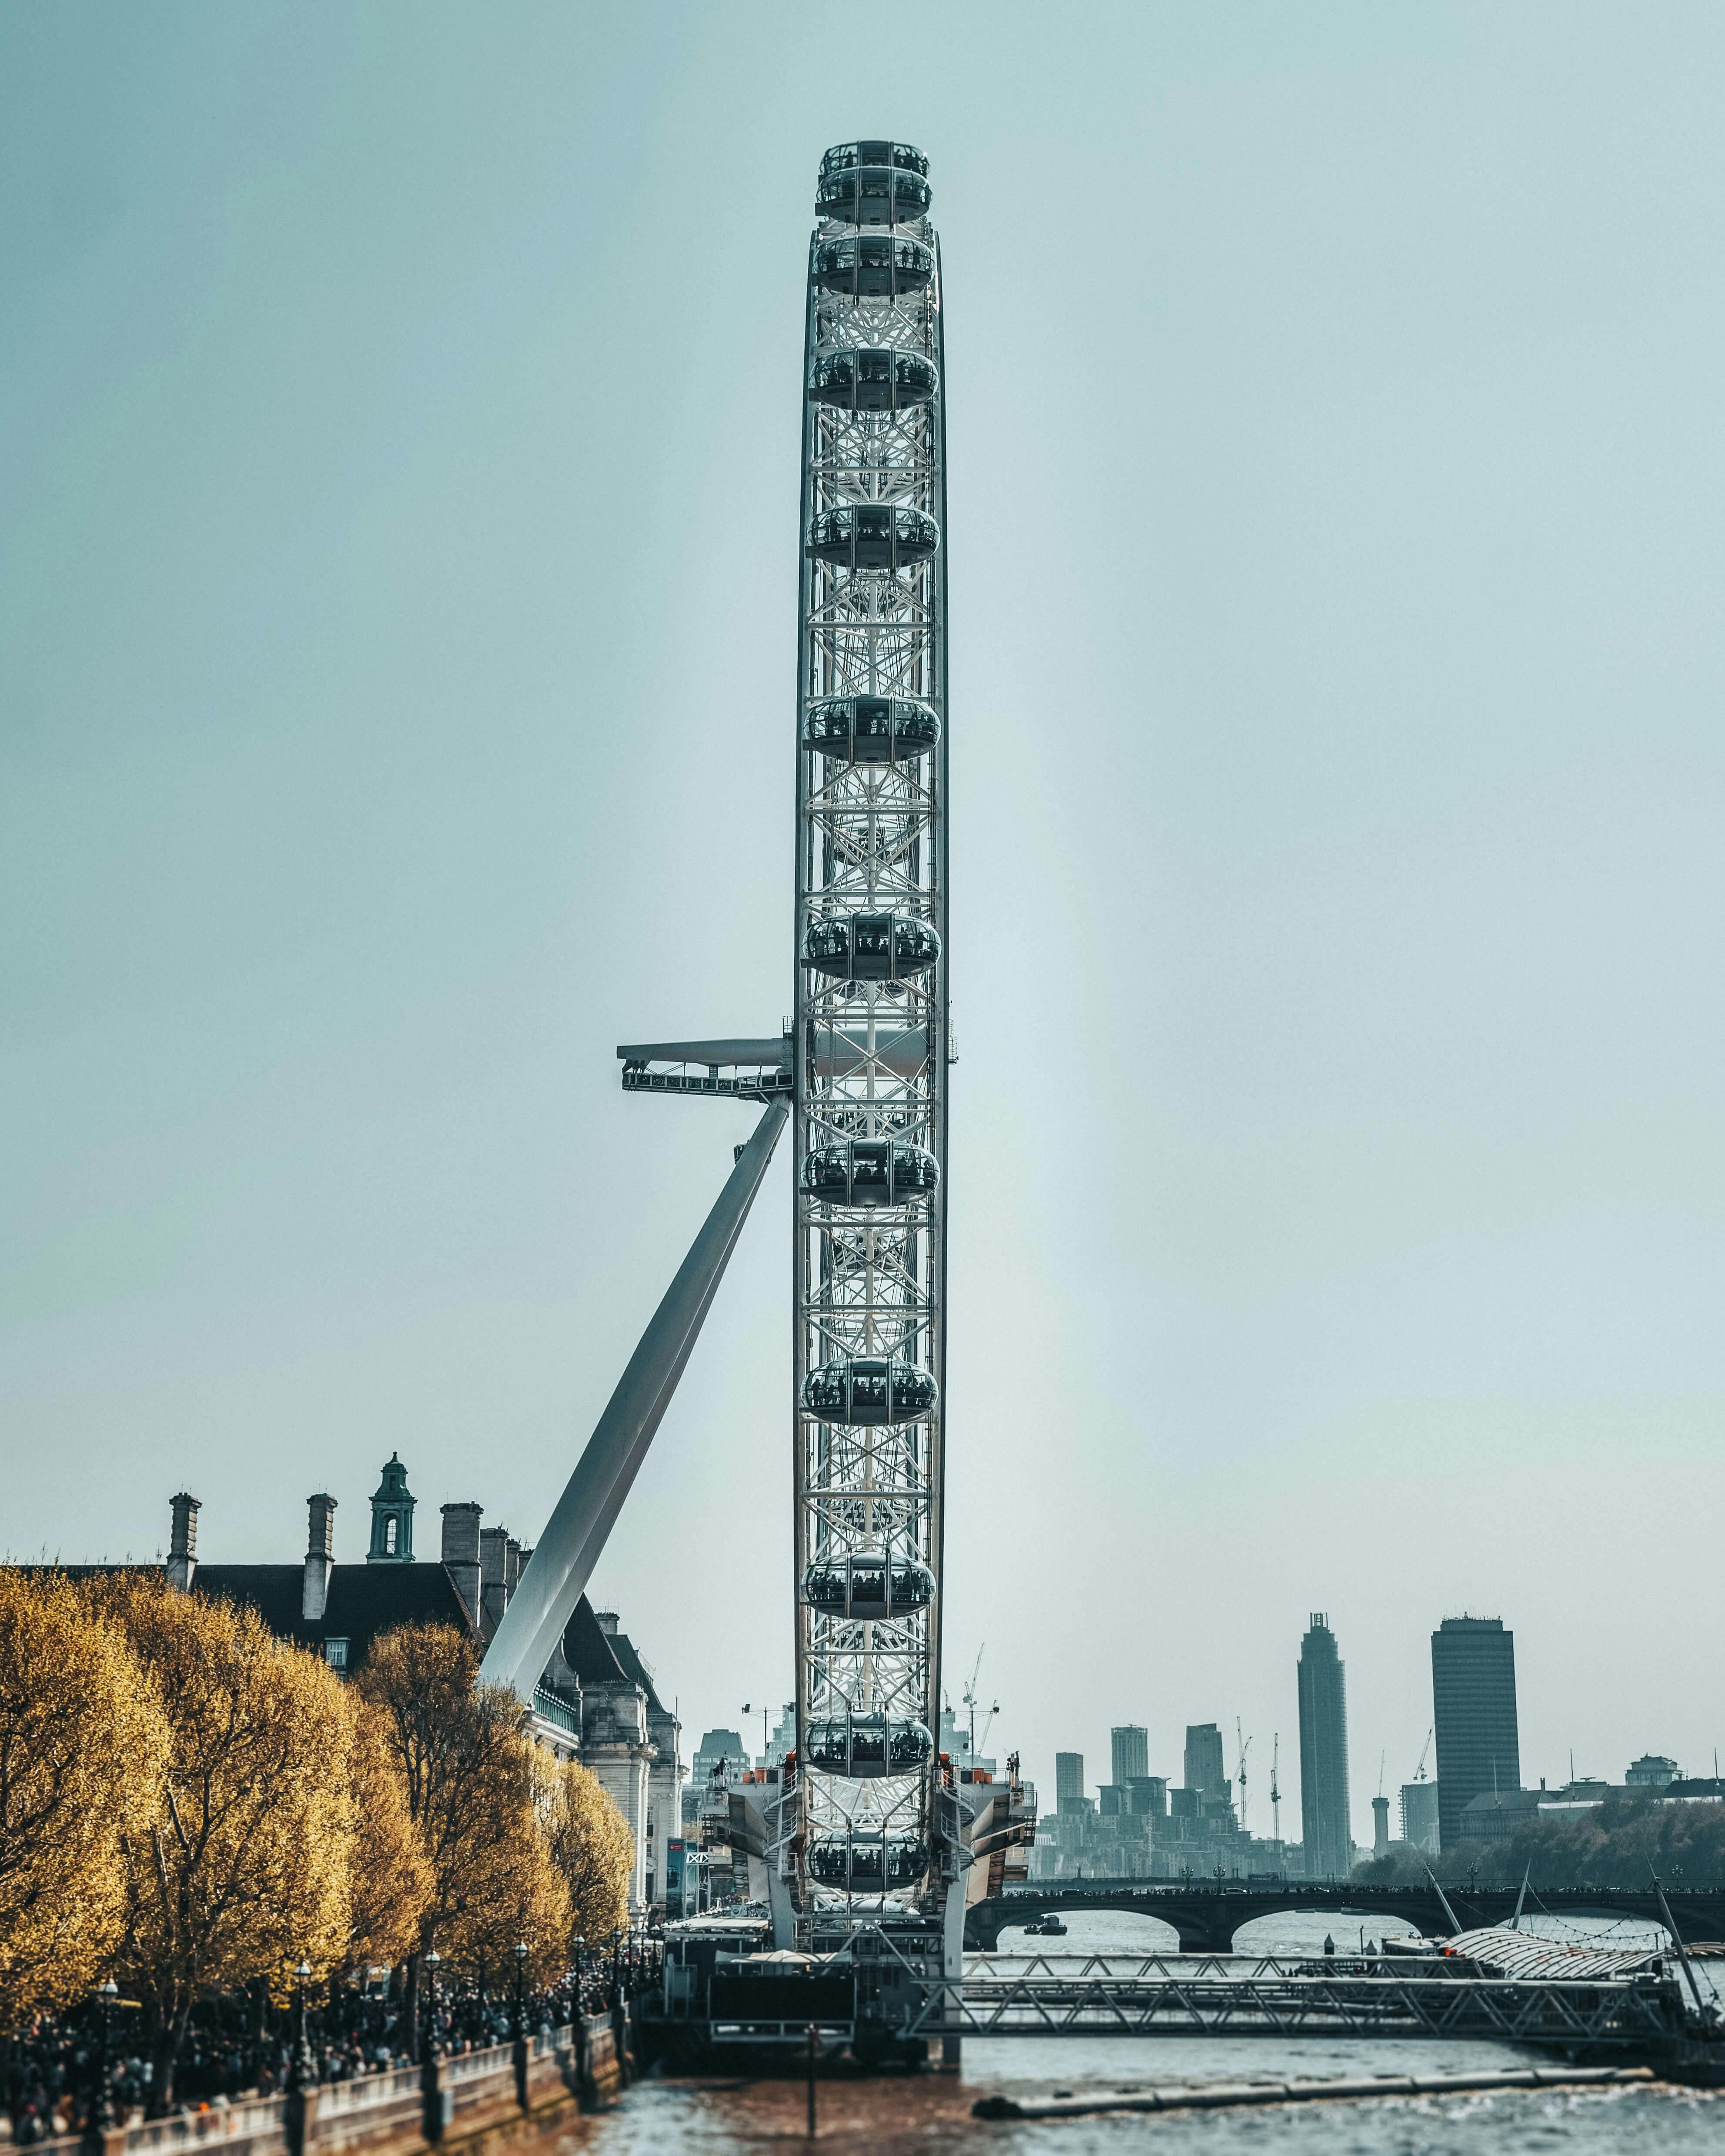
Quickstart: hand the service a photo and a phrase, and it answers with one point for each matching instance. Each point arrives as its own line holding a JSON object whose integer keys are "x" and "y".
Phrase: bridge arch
{"x": 1133, "y": 1930}
{"x": 1209, "y": 1918}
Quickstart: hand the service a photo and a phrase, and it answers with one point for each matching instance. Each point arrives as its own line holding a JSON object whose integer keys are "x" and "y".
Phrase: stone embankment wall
{"x": 466, "y": 2102}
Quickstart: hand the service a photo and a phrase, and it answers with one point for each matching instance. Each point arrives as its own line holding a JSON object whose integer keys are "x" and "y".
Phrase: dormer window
{"x": 335, "y": 1653}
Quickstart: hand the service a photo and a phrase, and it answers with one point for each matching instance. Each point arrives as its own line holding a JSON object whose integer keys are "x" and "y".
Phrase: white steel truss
{"x": 870, "y": 1049}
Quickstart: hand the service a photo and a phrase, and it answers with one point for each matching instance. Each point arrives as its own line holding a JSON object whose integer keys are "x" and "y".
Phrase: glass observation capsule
{"x": 872, "y": 377}
{"x": 871, "y": 947}
{"x": 873, "y": 265}
{"x": 873, "y": 535}
{"x": 866, "y": 1863}
{"x": 872, "y": 183}
{"x": 869, "y": 1389}
{"x": 868, "y": 1585}
{"x": 845, "y": 157}
{"x": 871, "y": 1172}
{"x": 873, "y": 187}
{"x": 864, "y": 1747}
{"x": 871, "y": 729}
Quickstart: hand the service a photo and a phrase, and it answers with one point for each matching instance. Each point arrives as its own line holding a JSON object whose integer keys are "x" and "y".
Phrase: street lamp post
{"x": 430, "y": 2084}
{"x": 520, "y": 2024}
{"x": 300, "y": 2069}
{"x": 101, "y": 2107}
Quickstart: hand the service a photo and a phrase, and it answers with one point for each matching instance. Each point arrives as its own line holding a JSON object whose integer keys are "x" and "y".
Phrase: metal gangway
{"x": 1173, "y": 1994}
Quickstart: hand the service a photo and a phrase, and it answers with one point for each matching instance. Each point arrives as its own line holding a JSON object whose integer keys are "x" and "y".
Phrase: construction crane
{"x": 968, "y": 1697}
{"x": 1242, "y": 1745}
{"x": 1275, "y": 1788}
{"x": 1419, "y": 1771}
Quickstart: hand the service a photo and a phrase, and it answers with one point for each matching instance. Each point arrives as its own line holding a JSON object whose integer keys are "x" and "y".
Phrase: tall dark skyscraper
{"x": 1069, "y": 1780}
{"x": 1204, "y": 1769}
{"x": 1473, "y": 1697}
{"x": 1323, "y": 1755}
{"x": 1130, "y": 1747}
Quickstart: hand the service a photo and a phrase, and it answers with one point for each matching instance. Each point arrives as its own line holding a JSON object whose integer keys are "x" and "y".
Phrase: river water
{"x": 893, "y": 2116}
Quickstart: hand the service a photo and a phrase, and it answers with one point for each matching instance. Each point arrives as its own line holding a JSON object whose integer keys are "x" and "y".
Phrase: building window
{"x": 335, "y": 1653}
{"x": 389, "y": 1536}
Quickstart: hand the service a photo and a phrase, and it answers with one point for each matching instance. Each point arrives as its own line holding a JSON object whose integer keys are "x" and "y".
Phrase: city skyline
{"x": 397, "y": 655}
{"x": 1480, "y": 1695}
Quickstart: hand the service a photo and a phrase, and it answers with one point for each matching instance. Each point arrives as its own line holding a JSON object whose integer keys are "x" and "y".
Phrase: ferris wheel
{"x": 864, "y": 1822}
{"x": 871, "y": 1039}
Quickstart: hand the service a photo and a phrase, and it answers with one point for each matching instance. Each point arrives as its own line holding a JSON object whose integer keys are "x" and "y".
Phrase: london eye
{"x": 858, "y": 1827}
{"x": 870, "y": 1114}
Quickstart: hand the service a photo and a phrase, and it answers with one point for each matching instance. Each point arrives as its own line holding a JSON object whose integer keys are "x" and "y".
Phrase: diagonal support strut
{"x": 562, "y": 1561}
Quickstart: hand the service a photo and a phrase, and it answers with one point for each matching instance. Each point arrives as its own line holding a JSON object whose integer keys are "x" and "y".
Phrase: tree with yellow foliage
{"x": 82, "y": 1741}
{"x": 244, "y": 1867}
{"x": 469, "y": 1773}
{"x": 516, "y": 1894}
{"x": 591, "y": 1848}
{"x": 391, "y": 1883}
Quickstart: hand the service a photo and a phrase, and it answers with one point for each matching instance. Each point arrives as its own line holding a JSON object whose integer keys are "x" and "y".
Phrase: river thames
{"x": 890, "y": 2116}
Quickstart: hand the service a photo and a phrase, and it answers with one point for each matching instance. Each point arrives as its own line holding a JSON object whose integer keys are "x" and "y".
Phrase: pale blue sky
{"x": 398, "y": 426}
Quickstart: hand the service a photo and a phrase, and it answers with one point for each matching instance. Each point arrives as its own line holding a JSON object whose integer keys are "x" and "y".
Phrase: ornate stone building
{"x": 596, "y": 1701}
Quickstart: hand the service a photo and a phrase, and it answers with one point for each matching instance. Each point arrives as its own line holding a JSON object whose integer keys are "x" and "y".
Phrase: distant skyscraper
{"x": 1069, "y": 1779}
{"x": 1132, "y": 1754}
{"x": 1473, "y": 1697}
{"x": 1323, "y": 1755}
{"x": 1420, "y": 1814}
{"x": 1204, "y": 1769}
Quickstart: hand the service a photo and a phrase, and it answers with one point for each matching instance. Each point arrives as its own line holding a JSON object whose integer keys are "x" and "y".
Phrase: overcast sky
{"x": 398, "y": 431}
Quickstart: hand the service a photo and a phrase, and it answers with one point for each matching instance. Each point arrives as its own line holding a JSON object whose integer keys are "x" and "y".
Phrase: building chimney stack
{"x": 494, "y": 1577}
{"x": 606, "y": 1620}
{"x": 460, "y": 1552}
{"x": 182, "y": 1543}
{"x": 319, "y": 1558}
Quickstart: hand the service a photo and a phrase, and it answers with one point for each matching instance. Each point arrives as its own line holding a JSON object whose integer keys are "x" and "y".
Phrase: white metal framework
{"x": 870, "y": 1045}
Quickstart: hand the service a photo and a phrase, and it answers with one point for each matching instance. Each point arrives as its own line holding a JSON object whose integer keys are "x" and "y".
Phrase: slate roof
{"x": 623, "y": 1649}
{"x": 364, "y": 1599}
{"x": 588, "y": 1650}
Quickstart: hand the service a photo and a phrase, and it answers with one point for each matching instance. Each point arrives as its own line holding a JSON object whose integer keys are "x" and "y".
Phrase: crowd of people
{"x": 236, "y": 2049}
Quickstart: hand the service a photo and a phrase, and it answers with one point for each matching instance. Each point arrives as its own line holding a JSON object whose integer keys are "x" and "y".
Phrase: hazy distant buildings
{"x": 1652, "y": 1771}
{"x": 1323, "y": 1755}
{"x": 1419, "y": 1815}
{"x": 1069, "y": 1779}
{"x": 1137, "y": 1827}
{"x": 1473, "y": 1697}
{"x": 1500, "y": 1814}
{"x": 1130, "y": 1747}
{"x": 1205, "y": 1771}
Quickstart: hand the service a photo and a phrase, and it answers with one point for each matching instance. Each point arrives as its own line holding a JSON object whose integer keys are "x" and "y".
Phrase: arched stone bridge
{"x": 1208, "y": 1916}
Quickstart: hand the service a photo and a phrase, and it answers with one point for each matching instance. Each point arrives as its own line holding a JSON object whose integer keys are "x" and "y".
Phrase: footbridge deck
{"x": 1277, "y": 1995}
